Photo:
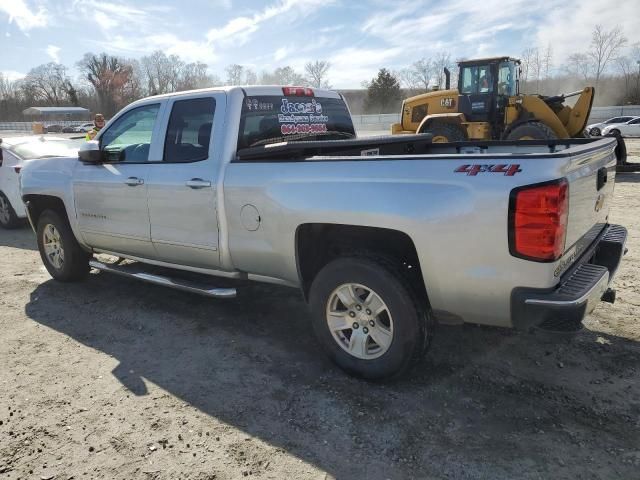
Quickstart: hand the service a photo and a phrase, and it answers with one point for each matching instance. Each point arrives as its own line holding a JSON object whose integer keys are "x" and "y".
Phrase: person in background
{"x": 98, "y": 123}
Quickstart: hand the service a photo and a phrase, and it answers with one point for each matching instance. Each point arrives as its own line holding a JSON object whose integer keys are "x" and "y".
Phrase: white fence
{"x": 381, "y": 122}
{"x": 600, "y": 114}
{"x": 28, "y": 126}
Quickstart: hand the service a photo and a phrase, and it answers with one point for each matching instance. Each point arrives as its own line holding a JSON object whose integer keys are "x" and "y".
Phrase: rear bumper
{"x": 579, "y": 291}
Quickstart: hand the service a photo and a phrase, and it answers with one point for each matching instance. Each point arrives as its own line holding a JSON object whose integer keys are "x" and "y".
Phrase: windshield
{"x": 276, "y": 118}
{"x": 47, "y": 148}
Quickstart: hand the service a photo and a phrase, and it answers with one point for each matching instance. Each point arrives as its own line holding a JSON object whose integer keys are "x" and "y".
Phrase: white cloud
{"x": 239, "y": 30}
{"x": 351, "y": 66}
{"x": 187, "y": 50}
{"x": 281, "y": 53}
{"x": 53, "y": 52}
{"x": 24, "y": 16}
{"x": 13, "y": 75}
{"x": 583, "y": 18}
{"x": 104, "y": 21}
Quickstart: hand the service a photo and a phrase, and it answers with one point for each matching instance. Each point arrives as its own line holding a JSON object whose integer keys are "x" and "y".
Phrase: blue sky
{"x": 356, "y": 37}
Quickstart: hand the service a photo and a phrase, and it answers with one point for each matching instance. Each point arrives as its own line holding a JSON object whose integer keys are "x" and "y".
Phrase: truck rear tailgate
{"x": 591, "y": 176}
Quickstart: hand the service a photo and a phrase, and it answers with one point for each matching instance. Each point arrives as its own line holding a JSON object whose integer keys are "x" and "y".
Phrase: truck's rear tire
{"x": 532, "y": 131}
{"x": 8, "y": 217}
{"x": 621, "y": 148}
{"x": 444, "y": 132}
{"x": 368, "y": 318}
{"x": 61, "y": 254}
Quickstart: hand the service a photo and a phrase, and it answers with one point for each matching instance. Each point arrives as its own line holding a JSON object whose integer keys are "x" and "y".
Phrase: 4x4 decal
{"x": 508, "y": 170}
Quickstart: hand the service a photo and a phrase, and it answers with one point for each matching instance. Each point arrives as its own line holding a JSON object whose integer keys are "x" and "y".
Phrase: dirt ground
{"x": 117, "y": 379}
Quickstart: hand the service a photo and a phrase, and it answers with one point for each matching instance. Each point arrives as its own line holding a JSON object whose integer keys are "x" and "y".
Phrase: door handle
{"x": 196, "y": 183}
{"x": 134, "y": 181}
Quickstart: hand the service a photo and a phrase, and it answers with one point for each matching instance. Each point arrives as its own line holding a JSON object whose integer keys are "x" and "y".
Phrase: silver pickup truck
{"x": 385, "y": 236}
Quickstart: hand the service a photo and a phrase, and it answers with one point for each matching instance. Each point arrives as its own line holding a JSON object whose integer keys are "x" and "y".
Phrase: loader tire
{"x": 444, "y": 132}
{"x": 532, "y": 131}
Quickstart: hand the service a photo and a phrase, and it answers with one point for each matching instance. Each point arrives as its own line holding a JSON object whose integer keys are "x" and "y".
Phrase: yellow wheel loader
{"x": 488, "y": 105}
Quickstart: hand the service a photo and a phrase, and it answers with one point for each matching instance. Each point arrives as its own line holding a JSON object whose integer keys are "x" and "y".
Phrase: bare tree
{"x": 440, "y": 62}
{"x": 235, "y": 73}
{"x": 424, "y": 71}
{"x": 407, "y": 79}
{"x": 195, "y": 75}
{"x": 579, "y": 65}
{"x": 536, "y": 67}
{"x": 525, "y": 63}
{"x": 240, "y": 75}
{"x": 111, "y": 78}
{"x": 316, "y": 73}
{"x": 250, "y": 77}
{"x": 161, "y": 72}
{"x": 605, "y": 46}
{"x": 547, "y": 61}
{"x": 627, "y": 68}
{"x": 282, "y": 76}
{"x": 48, "y": 83}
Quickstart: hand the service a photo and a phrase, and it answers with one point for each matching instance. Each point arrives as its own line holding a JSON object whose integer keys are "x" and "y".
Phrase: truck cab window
{"x": 469, "y": 80}
{"x": 506, "y": 79}
{"x": 485, "y": 83}
{"x": 128, "y": 139}
{"x": 189, "y": 131}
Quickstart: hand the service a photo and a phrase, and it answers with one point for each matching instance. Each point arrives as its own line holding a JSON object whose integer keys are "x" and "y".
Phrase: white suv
{"x": 14, "y": 152}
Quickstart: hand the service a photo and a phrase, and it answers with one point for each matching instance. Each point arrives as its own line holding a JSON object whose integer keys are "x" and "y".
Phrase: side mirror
{"x": 90, "y": 152}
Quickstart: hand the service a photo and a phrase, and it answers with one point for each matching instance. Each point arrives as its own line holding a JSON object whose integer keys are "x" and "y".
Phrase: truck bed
{"x": 417, "y": 146}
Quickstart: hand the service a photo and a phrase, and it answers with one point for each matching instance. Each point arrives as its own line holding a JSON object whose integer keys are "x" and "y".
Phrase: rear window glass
{"x": 273, "y": 119}
{"x": 189, "y": 131}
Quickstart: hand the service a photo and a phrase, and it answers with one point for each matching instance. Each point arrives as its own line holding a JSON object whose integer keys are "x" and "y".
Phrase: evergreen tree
{"x": 383, "y": 93}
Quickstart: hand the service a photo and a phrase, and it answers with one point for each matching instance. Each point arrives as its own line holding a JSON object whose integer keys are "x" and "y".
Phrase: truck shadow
{"x": 252, "y": 362}
{"x": 628, "y": 177}
{"x": 22, "y": 238}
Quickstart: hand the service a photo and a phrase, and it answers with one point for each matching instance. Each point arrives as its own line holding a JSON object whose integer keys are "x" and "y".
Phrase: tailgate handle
{"x": 602, "y": 177}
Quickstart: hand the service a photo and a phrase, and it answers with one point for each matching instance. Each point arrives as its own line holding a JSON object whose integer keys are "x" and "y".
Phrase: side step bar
{"x": 178, "y": 284}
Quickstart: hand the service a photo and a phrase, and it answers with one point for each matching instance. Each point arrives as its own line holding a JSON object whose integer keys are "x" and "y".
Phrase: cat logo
{"x": 447, "y": 102}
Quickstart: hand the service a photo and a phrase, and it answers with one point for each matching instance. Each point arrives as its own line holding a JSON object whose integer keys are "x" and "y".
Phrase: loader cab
{"x": 484, "y": 87}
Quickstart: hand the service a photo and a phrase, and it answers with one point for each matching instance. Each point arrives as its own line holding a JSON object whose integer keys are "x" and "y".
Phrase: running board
{"x": 178, "y": 284}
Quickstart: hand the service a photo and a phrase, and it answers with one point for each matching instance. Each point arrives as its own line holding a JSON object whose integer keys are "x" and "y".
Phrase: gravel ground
{"x": 120, "y": 380}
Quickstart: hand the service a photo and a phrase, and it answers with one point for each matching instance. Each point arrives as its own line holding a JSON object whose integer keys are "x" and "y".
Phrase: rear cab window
{"x": 267, "y": 119}
{"x": 189, "y": 131}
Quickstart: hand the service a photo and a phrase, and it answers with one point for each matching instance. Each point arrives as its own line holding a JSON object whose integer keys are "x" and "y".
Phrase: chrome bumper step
{"x": 137, "y": 270}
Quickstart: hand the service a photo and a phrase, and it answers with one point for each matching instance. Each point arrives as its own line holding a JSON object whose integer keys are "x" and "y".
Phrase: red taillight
{"x": 297, "y": 92}
{"x": 538, "y": 221}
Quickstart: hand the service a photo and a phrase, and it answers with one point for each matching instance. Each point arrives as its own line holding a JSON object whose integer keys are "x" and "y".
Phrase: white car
{"x": 595, "y": 129}
{"x": 628, "y": 129}
{"x": 14, "y": 153}
{"x": 84, "y": 128}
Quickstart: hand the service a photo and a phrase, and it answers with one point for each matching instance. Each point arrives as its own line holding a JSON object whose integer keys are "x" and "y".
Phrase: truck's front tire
{"x": 61, "y": 254}
{"x": 368, "y": 318}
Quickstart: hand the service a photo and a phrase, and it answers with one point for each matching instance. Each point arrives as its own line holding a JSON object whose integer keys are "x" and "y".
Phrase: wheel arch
{"x": 316, "y": 244}
{"x": 448, "y": 118}
{"x": 36, "y": 204}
